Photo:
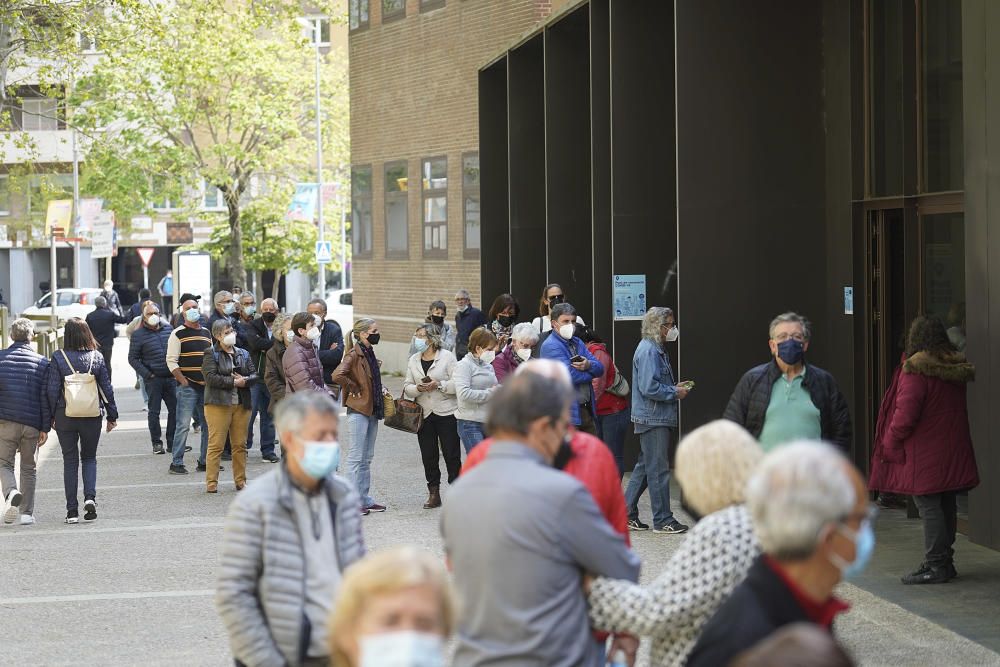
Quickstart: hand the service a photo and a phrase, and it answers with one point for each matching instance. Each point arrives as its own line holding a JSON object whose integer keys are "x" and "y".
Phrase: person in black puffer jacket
{"x": 147, "y": 354}
{"x": 787, "y": 399}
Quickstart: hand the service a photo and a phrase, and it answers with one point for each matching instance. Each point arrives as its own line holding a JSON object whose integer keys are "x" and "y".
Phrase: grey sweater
{"x": 260, "y": 594}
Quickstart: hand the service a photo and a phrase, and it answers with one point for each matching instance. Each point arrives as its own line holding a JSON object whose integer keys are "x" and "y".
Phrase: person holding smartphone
{"x": 566, "y": 348}
{"x": 428, "y": 382}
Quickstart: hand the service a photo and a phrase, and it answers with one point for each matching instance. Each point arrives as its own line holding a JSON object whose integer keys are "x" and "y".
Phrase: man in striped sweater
{"x": 185, "y": 351}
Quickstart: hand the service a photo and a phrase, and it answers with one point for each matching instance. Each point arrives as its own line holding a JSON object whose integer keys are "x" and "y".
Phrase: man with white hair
{"x": 468, "y": 318}
{"x": 25, "y": 420}
{"x": 114, "y": 302}
{"x": 811, "y": 513}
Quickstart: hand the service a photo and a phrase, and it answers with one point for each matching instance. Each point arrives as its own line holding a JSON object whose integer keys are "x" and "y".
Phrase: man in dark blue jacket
{"x": 468, "y": 318}
{"x": 331, "y": 339}
{"x": 563, "y": 346}
{"x": 25, "y": 421}
{"x": 102, "y": 321}
{"x": 148, "y": 356}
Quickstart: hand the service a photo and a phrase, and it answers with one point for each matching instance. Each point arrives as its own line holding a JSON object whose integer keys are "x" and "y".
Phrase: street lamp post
{"x": 317, "y": 33}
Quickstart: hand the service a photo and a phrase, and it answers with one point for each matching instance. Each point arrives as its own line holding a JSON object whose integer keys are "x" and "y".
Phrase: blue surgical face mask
{"x": 864, "y": 547}
{"x": 249, "y": 310}
{"x": 229, "y": 308}
{"x": 192, "y": 315}
{"x": 791, "y": 351}
{"x": 320, "y": 458}
{"x": 420, "y": 344}
{"x": 402, "y": 649}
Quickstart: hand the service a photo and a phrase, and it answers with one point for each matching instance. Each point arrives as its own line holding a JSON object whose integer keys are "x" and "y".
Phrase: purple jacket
{"x": 506, "y": 363}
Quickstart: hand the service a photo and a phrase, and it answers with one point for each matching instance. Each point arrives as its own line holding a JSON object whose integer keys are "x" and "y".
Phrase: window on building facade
{"x": 427, "y": 5}
{"x": 358, "y": 15}
{"x": 941, "y": 93}
{"x": 396, "y": 218}
{"x": 88, "y": 44}
{"x": 434, "y": 183}
{"x": 43, "y": 188}
{"x": 212, "y": 198}
{"x": 39, "y": 113}
{"x": 4, "y": 194}
{"x": 317, "y": 30}
{"x": 393, "y": 9}
{"x": 470, "y": 198}
{"x": 886, "y": 140}
{"x": 361, "y": 211}
{"x": 162, "y": 200}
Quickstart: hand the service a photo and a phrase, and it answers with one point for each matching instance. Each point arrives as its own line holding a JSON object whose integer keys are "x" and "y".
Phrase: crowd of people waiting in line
{"x": 541, "y": 411}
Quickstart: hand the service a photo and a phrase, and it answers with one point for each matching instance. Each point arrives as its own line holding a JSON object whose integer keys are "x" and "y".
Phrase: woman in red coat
{"x": 923, "y": 447}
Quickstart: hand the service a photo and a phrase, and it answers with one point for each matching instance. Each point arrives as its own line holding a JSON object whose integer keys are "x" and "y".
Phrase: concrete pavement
{"x": 135, "y": 587}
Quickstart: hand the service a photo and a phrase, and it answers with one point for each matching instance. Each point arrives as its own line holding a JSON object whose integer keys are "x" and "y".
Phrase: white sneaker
{"x": 11, "y": 506}
{"x": 27, "y": 520}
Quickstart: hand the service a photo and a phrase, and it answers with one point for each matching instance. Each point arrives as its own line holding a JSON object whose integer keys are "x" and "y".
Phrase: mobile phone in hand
{"x": 577, "y": 359}
{"x": 689, "y": 385}
{"x": 426, "y": 380}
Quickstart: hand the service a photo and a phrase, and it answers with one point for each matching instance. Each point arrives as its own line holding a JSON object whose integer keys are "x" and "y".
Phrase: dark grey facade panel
{"x": 600, "y": 161}
{"x": 494, "y": 188}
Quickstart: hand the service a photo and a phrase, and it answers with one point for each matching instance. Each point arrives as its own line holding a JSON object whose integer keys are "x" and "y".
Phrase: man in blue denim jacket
{"x": 655, "y": 393}
{"x": 563, "y": 346}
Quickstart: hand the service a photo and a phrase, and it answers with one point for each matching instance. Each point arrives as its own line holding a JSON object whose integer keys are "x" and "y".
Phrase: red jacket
{"x": 923, "y": 444}
{"x": 607, "y": 404}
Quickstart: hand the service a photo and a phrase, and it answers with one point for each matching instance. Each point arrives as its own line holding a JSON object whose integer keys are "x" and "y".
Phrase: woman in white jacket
{"x": 475, "y": 381}
{"x": 428, "y": 382}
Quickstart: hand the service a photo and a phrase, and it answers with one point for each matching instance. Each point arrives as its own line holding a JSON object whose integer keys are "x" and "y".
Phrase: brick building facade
{"x": 414, "y": 152}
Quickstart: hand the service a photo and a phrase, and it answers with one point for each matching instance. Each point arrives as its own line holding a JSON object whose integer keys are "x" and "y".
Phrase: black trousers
{"x": 444, "y": 430}
{"x": 106, "y": 353}
{"x": 939, "y": 512}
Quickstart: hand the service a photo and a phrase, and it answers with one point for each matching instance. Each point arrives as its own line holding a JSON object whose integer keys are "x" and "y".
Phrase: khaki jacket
{"x": 354, "y": 375}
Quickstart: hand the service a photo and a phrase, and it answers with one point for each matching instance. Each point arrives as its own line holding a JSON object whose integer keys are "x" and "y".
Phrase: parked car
{"x": 340, "y": 307}
{"x": 70, "y": 302}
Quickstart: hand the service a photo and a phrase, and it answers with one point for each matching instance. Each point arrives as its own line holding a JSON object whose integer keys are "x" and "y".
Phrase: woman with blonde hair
{"x": 394, "y": 606}
{"x": 713, "y": 464}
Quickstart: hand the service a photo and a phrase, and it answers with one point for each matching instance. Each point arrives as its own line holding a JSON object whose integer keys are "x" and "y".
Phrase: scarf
{"x": 378, "y": 405}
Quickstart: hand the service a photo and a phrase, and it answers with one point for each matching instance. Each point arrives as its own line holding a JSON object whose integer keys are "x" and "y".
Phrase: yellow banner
{"x": 59, "y": 214}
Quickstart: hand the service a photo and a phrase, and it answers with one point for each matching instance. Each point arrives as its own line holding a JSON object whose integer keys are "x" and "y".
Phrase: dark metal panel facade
{"x": 495, "y": 187}
{"x": 600, "y": 177}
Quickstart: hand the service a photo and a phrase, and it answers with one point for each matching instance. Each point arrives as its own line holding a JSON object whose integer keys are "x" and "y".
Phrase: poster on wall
{"x": 629, "y": 296}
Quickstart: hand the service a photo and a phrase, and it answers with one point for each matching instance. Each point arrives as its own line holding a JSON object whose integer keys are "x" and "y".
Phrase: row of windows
{"x": 434, "y": 208}
{"x": 392, "y": 10}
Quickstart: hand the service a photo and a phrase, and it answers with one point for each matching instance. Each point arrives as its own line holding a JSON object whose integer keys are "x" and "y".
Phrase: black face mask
{"x": 563, "y": 455}
{"x": 553, "y": 300}
{"x": 505, "y": 320}
{"x": 437, "y": 319}
{"x": 268, "y": 317}
{"x": 373, "y": 339}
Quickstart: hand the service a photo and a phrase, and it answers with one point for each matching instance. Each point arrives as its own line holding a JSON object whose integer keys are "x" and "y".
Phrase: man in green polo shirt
{"x": 788, "y": 399}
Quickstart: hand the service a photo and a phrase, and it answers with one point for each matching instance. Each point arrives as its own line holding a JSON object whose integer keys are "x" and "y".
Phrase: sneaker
{"x": 202, "y": 468}
{"x": 272, "y": 458}
{"x": 72, "y": 516}
{"x": 157, "y": 447}
{"x": 178, "y": 469}
{"x": 675, "y": 527}
{"x": 27, "y": 520}
{"x": 11, "y": 506}
{"x": 930, "y": 575}
{"x": 635, "y": 524}
{"x": 187, "y": 448}
{"x": 375, "y": 507}
{"x": 89, "y": 510}
{"x": 365, "y": 511}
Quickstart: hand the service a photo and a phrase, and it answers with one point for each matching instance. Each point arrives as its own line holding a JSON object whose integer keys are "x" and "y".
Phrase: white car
{"x": 70, "y": 302}
{"x": 340, "y": 307}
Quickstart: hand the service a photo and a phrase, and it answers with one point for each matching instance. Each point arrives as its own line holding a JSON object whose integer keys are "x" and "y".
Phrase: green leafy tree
{"x": 213, "y": 90}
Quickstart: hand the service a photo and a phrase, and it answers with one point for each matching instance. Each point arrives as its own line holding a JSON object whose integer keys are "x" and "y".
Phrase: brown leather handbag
{"x": 408, "y": 416}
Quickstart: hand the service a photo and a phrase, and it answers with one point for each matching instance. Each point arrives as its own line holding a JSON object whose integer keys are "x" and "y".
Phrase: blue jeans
{"x": 78, "y": 438}
{"x": 361, "y": 432}
{"x": 161, "y": 389}
{"x": 652, "y": 468}
{"x": 260, "y": 398}
{"x": 190, "y": 402}
{"x": 471, "y": 433}
{"x": 611, "y": 429}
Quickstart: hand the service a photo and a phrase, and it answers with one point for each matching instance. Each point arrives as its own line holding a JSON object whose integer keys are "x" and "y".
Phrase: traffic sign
{"x": 145, "y": 254}
{"x": 324, "y": 252}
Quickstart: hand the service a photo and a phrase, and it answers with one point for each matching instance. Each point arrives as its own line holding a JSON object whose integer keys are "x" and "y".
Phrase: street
{"x": 136, "y": 586}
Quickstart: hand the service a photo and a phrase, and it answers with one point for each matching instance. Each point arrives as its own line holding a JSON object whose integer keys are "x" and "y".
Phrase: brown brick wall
{"x": 414, "y": 94}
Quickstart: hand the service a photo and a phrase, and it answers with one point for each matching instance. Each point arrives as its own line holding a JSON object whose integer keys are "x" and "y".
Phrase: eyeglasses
{"x": 781, "y": 338}
{"x": 868, "y": 516}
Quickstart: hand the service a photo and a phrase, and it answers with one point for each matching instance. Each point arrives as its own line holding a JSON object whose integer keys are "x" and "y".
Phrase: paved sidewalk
{"x": 135, "y": 587}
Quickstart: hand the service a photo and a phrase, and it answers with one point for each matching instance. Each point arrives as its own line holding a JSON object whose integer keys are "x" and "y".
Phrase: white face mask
{"x": 318, "y": 320}
{"x": 488, "y": 356}
{"x": 108, "y": 286}
{"x": 313, "y": 334}
{"x": 673, "y": 334}
{"x": 229, "y": 340}
{"x": 402, "y": 649}
{"x": 567, "y": 331}
{"x": 289, "y": 336}
{"x": 524, "y": 353}
{"x": 153, "y": 320}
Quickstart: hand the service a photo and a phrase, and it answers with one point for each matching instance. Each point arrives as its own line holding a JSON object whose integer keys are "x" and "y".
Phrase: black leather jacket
{"x": 218, "y": 368}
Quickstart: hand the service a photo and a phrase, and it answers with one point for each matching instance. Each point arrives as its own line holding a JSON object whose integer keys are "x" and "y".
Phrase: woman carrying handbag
{"x": 428, "y": 382}
{"x": 80, "y": 396}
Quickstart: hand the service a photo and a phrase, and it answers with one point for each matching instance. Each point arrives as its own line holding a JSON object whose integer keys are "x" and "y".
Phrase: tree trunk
{"x": 277, "y": 284}
{"x": 235, "y": 268}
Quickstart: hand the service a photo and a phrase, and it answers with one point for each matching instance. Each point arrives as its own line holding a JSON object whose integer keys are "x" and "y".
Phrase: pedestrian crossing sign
{"x": 324, "y": 253}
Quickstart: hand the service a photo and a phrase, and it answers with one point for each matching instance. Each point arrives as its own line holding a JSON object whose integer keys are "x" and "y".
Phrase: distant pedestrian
{"x": 287, "y": 541}
{"x": 523, "y": 337}
{"x": 518, "y": 533}
{"x": 102, "y": 321}
{"x": 923, "y": 447}
{"x": 147, "y": 354}
{"x": 274, "y": 372}
{"x": 611, "y": 398}
{"x": 436, "y": 314}
{"x": 413, "y": 585}
{"x": 186, "y": 349}
{"x": 114, "y": 302}
{"x": 468, "y": 318}
{"x": 429, "y": 382}
{"x": 330, "y": 344}
{"x": 229, "y": 373}
{"x": 260, "y": 339}
{"x": 475, "y": 381}
{"x": 78, "y": 436}
{"x": 811, "y": 513}
{"x": 502, "y": 318}
{"x": 166, "y": 289}
{"x": 788, "y": 398}
{"x": 655, "y": 396}
{"x": 361, "y": 378}
{"x": 302, "y": 367}
{"x": 24, "y": 424}
{"x": 135, "y": 310}
{"x": 552, "y": 296}
{"x": 583, "y": 367}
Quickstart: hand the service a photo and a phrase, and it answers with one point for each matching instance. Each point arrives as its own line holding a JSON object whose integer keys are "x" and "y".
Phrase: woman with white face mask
{"x": 394, "y": 609}
{"x": 303, "y": 369}
{"x": 228, "y": 372}
{"x": 523, "y": 338}
{"x": 475, "y": 381}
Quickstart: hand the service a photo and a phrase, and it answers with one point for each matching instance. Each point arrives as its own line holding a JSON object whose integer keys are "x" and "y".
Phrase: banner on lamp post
{"x": 303, "y": 206}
